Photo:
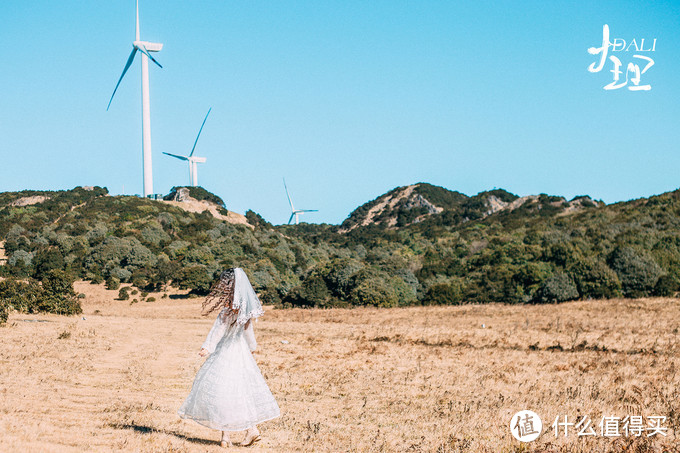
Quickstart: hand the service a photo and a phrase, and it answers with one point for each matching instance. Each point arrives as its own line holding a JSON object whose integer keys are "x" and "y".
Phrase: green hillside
{"x": 418, "y": 244}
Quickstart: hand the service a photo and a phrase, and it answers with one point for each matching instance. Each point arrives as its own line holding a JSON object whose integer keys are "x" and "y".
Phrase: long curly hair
{"x": 221, "y": 294}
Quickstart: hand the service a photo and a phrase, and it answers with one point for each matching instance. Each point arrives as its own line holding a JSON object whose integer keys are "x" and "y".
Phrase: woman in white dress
{"x": 229, "y": 392}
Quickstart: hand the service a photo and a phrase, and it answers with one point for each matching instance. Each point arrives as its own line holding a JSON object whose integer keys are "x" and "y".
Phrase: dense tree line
{"x": 537, "y": 253}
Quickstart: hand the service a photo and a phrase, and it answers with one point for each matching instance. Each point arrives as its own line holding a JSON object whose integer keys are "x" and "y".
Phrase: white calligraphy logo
{"x": 526, "y": 426}
{"x": 631, "y": 68}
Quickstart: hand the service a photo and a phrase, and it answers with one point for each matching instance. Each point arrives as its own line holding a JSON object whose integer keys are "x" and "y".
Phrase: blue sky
{"x": 345, "y": 99}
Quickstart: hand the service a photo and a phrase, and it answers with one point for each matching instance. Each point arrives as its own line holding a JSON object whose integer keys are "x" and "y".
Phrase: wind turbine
{"x": 193, "y": 172}
{"x": 295, "y": 212}
{"x": 145, "y": 48}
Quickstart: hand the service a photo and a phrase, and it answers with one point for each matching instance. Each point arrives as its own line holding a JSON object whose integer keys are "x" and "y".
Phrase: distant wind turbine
{"x": 145, "y": 48}
{"x": 193, "y": 171}
{"x": 295, "y": 212}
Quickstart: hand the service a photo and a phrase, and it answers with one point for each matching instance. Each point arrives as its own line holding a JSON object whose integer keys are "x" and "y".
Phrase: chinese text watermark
{"x": 637, "y": 65}
{"x": 526, "y": 426}
{"x": 611, "y": 426}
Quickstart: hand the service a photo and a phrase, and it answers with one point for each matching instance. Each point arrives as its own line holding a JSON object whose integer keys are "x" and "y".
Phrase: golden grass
{"x": 410, "y": 379}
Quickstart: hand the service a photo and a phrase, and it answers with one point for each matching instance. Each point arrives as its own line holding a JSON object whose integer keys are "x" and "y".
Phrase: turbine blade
{"x": 199, "y": 132}
{"x": 309, "y": 210}
{"x": 127, "y": 66}
{"x": 175, "y": 155}
{"x": 288, "y": 195}
{"x": 291, "y": 218}
{"x": 146, "y": 52}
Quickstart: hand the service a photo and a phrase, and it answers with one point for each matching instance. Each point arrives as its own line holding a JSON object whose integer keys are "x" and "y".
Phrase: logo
{"x": 635, "y": 52}
{"x": 526, "y": 426}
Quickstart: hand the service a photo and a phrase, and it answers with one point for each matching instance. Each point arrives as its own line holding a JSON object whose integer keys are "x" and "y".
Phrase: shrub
{"x": 666, "y": 286}
{"x": 406, "y": 294}
{"x": 21, "y": 257}
{"x": 165, "y": 271}
{"x": 96, "y": 233}
{"x": 154, "y": 234}
{"x": 20, "y": 295}
{"x": 374, "y": 292}
{"x": 111, "y": 250}
{"x": 125, "y": 252}
{"x": 139, "y": 256}
{"x": 58, "y": 294}
{"x": 595, "y": 279}
{"x": 257, "y": 220}
{"x": 55, "y": 295}
{"x": 196, "y": 278}
{"x": 558, "y": 288}
{"x": 64, "y": 335}
{"x": 4, "y": 311}
{"x": 443, "y": 294}
{"x": 197, "y": 192}
{"x": 123, "y": 293}
{"x": 339, "y": 275}
{"x": 112, "y": 283}
{"x": 313, "y": 292}
{"x": 46, "y": 260}
{"x": 122, "y": 275}
{"x": 270, "y": 296}
{"x": 637, "y": 271}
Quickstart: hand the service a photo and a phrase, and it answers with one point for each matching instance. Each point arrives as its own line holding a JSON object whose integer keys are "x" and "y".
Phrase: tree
{"x": 443, "y": 294}
{"x": 637, "y": 271}
{"x": 257, "y": 220}
{"x": 558, "y": 288}
{"x": 594, "y": 279}
{"x": 23, "y": 296}
{"x": 196, "y": 278}
{"x": 313, "y": 292}
{"x": 58, "y": 294}
{"x": 47, "y": 260}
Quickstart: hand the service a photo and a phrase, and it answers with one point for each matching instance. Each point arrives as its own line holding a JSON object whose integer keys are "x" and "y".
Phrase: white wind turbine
{"x": 145, "y": 48}
{"x": 191, "y": 159}
{"x": 295, "y": 212}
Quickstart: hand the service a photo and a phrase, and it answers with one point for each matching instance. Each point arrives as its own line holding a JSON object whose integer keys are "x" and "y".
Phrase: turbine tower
{"x": 191, "y": 159}
{"x": 145, "y": 48}
{"x": 295, "y": 212}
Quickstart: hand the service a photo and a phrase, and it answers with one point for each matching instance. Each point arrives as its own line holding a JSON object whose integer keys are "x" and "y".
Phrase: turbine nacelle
{"x": 148, "y": 46}
{"x": 193, "y": 169}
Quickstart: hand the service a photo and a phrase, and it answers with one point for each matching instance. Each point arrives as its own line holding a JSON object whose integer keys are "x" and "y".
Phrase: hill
{"x": 417, "y": 244}
{"x": 412, "y": 204}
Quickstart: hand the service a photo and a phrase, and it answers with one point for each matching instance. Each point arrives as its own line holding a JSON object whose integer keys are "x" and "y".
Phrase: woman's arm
{"x": 249, "y": 333}
{"x": 214, "y": 336}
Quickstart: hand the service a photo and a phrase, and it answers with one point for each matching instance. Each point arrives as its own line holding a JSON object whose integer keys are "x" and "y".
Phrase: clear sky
{"x": 345, "y": 99}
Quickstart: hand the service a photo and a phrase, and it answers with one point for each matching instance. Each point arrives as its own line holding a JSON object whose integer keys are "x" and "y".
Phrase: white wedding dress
{"x": 229, "y": 392}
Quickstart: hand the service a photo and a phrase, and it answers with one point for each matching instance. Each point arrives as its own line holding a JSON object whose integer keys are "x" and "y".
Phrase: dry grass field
{"x": 431, "y": 379}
